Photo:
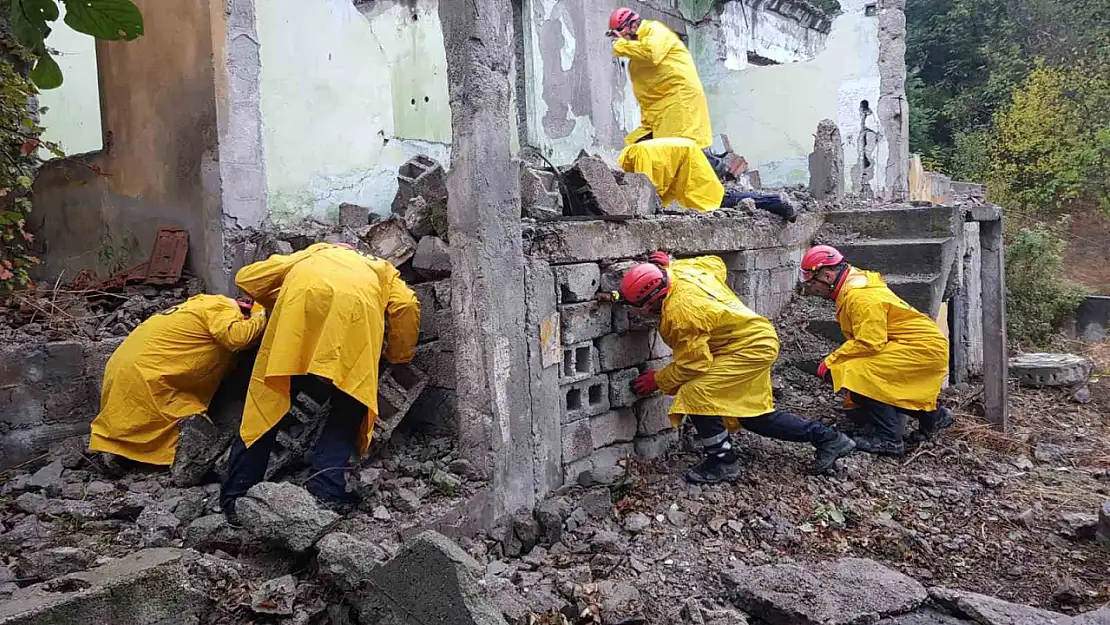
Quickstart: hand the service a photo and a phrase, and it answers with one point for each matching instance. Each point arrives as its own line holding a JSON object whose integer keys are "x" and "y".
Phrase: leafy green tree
{"x": 1038, "y": 299}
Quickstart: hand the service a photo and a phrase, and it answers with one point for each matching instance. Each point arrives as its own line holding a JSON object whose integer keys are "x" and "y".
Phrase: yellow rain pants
{"x": 167, "y": 370}
{"x": 723, "y": 351}
{"x": 328, "y": 309}
{"x": 666, "y": 84}
{"x": 894, "y": 354}
{"x": 678, "y": 169}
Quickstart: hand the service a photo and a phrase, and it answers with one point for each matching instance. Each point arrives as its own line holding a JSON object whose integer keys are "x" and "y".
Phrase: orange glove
{"x": 645, "y": 384}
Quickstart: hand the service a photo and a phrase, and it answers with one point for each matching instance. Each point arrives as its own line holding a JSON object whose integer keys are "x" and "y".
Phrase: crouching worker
{"x": 328, "y": 310}
{"x": 894, "y": 360}
{"x": 165, "y": 371}
{"x": 721, "y": 374}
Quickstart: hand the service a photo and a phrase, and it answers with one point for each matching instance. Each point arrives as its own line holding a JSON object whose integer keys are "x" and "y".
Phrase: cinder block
{"x": 620, "y": 388}
{"x": 540, "y": 197}
{"x": 353, "y": 215}
{"x": 657, "y": 363}
{"x": 659, "y": 347}
{"x": 425, "y": 294}
{"x": 612, "y": 273}
{"x": 625, "y": 350}
{"x": 585, "y": 321}
{"x": 437, "y": 360}
{"x": 577, "y": 283}
{"x": 420, "y": 176}
{"x": 398, "y": 388}
{"x": 652, "y": 447}
{"x": 767, "y": 258}
{"x": 652, "y": 414}
{"x": 615, "y": 426}
{"x": 585, "y": 399}
{"x": 579, "y": 362}
{"x": 432, "y": 258}
{"x": 390, "y": 240}
{"x": 578, "y": 441}
{"x": 625, "y": 319}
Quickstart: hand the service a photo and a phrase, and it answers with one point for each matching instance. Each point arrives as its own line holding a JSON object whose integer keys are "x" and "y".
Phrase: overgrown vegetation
{"x": 19, "y": 140}
{"x": 1038, "y": 299}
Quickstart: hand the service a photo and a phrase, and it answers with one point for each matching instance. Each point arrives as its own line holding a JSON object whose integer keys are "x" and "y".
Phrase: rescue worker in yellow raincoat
{"x": 894, "y": 360}
{"x": 721, "y": 374}
{"x": 167, "y": 370}
{"x": 328, "y": 311}
{"x": 664, "y": 80}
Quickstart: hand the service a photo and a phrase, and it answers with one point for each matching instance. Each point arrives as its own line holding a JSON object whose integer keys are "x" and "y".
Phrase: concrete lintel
{"x": 983, "y": 212}
{"x": 587, "y": 241}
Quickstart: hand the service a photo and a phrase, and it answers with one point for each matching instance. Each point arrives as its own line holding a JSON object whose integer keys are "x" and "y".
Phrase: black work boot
{"x": 828, "y": 452}
{"x": 881, "y": 446}
{"x": 929, "y": 423}
{"x": 720, "y": 466}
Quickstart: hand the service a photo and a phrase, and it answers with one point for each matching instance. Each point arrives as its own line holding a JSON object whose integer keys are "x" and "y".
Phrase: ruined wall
{"x": 159, "y": 160}
{"x": 586, "y": 353}
{"x": 769, "y": 96}
{"x": 347, "y": 96}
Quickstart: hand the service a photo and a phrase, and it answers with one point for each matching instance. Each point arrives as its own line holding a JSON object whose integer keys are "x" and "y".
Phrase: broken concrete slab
{"x": 641, "y": 193}
{"x": 284, "y": 514}
{"x": 540, "y": 196}
{"x": 924, "y": 617}
{"x": 209, "y": 533}
{"x": 585, "y": 322}
{"x": 420, "y": 176}
{"x": 992, "y": 611}
{"x": 430, "y": 565}
{"x": 826, "y": 162}
{"x": 390, "y": 240}
{"x": 51, "y": 563}
{"x": 275, "y": 596}
{"x": 595, "y": 185}
{"x": 1041, "y": 369}
{"x": 47, "y": 476}
{"x": 418, "y": 217}
{"x": 577, "y": 283}
{"x": 148, "y": 587}
{"x": 432, "y": 258}
{"x": 842, "y": 592}
{"x": 353, "y": 215}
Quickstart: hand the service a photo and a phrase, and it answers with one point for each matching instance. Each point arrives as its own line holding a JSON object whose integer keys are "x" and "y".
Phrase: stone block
{"x": 391, "y": 241}
{"x": 653, "y": 414}
{"x": 621, "y": 394}
{"x": 641, "y": 193}
{"x": 432, "y": 258}
{"x": 148, "y": 587}
{"x": 1041, "y": 369}
{"x": 398, "y": 388}
{"x": 353, "y": 215}
{"x": 578, "y": 442}
{"x": 652, "y": 447}
{"x": 585, "y": 322}
{"x": 577, "y": 283}
{"x": 284, "y": 514}
{"x": 344, "y": 561}
{"x": 429, "y": 565}
{"x": 625, "y": 350}
{"x": 596, "y": 187}
{"x": 420, "y": 176}
{"x": 612, "y": 273}
{"x": 628, "y": 319}
{"x": 615, "y": 426}
{"x": 991, "y": 611}
{"x": 841, "y": 592}
{"x": 586, "y": 398}
{"x": 437, "y": 360}
{"x": 579, "y": 362}
{"x": 540, "y": 197}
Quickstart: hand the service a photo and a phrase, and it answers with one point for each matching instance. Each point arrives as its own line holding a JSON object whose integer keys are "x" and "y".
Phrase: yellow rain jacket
{"x": 894, "y": 354}
{"x": 723, "y": 351}
{"x": 678, "y": 169}
{"x": 328, "y": 308}
{"x": 666, "y": 84}
{"x": 167, "y": 370}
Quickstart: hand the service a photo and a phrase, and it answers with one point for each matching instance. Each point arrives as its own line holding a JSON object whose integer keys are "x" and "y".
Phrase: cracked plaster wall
{"x": 771, "y": 111}
{"x": 347, "y": 95}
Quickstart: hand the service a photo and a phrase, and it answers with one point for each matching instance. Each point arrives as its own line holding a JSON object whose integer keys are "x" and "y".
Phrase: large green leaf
{"x": 29, "y": 18}
{"x": 111, "y": 20}
{"x": 47, "y": 74}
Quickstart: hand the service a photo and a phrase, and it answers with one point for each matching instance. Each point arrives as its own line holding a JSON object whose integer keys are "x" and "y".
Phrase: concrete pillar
{"x": 487, "y": 262}
{"x": 995, "y": 359}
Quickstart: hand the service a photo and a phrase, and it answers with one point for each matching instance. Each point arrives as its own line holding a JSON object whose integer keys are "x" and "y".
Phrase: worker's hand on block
{"x": 823, "y": 372}
{"x": 645, "y": 384}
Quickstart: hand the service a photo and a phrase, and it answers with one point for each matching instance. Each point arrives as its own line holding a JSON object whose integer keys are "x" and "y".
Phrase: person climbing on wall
{"x": 664, "y": 80}
{"x": 329, "y": 306}
{"x": 894, "y": 360}
{"x": 721, "y": 374}
{"x": 166, "y": 371}
{"x": 681, "y": 173}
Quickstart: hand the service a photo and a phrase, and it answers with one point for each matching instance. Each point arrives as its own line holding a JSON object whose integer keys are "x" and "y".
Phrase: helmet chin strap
{"x": 834, "y": 286}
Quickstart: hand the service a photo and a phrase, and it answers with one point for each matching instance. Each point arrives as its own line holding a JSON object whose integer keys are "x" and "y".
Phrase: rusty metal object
{"x": 171, "y": 245}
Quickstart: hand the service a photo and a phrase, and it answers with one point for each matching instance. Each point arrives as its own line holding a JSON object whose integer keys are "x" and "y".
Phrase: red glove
{"x": 659, "y": 258}
{"x": 645, "y": 384}
{"x": 822, "y": 370}
{"x": 245, "y": 305}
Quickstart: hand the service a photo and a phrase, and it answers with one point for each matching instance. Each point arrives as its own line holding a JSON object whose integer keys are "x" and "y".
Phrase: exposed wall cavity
{"x": 348, "y": 94}
{"x": 820, "y": 70}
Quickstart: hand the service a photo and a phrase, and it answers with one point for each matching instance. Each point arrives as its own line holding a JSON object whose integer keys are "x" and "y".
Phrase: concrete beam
{"x": 487, "y": 263}
{"x": 563, "y": 242}
{"x": 995, "y": 359}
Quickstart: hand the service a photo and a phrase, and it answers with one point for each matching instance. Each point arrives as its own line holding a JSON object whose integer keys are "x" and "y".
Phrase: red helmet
{"x": 622, "y": 18}
{"x": 819, "y": 256}
{"x": 644, "y": 284}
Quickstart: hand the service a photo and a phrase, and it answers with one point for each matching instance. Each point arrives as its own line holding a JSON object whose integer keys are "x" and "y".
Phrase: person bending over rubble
{"x": 165, "y": 371}
{"x": 681, "y": 173}
{"x": 895, "y": 358}
{"x": 328, "y": 310}
{"x": 721, "y": 374}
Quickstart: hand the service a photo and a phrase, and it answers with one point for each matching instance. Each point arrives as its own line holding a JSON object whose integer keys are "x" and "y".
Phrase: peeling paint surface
{"x": 344, "y": 107}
